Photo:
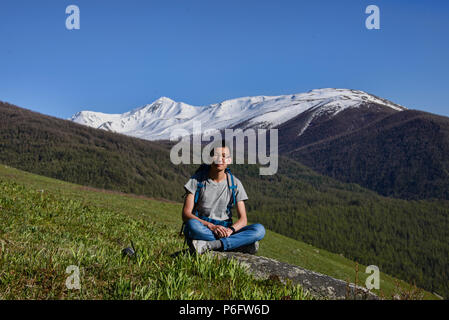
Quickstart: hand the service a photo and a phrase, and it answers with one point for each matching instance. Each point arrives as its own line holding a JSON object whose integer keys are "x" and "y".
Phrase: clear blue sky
{"x": 129, "y": 53}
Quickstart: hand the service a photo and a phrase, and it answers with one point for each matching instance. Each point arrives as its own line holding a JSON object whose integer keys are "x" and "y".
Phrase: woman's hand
{"x": 219, "y": 231}
{"x": 228, "y": 232}
{"x": 211, "y": 226}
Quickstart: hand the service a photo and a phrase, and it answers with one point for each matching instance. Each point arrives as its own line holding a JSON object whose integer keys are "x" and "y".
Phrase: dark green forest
{"x": 404, "y": 155}
{"x": 407, "y": 239}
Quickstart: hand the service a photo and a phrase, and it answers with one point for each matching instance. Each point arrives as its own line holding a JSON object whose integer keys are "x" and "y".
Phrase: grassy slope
{"x": 106, "y": 221}
{"x": 44, "y": 231}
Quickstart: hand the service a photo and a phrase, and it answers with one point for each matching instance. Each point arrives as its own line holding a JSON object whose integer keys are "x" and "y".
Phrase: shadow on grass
{"x": 181, "y": 252}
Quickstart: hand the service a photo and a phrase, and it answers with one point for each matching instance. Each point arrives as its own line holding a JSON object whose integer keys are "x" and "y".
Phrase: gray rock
{"x": 319, "y": 285}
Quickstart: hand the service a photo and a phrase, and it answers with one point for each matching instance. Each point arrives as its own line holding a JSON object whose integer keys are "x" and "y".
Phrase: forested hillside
{"x": 403, "y": 155}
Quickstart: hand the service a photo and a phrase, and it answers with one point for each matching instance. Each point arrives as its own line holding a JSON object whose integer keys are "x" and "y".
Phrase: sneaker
{"x": 249, "y": 248}
{"x": 199, "y": 246}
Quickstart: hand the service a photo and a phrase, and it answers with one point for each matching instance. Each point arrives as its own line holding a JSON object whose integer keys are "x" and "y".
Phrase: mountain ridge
{"x": 156, "y": 121}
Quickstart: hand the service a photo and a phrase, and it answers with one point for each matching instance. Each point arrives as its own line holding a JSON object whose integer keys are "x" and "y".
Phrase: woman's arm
{"x": 241, "y": 213}
{"x": 188, "y": 208}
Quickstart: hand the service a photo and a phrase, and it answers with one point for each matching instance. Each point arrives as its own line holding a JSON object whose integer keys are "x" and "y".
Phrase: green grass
{"x": 47, "y": 225}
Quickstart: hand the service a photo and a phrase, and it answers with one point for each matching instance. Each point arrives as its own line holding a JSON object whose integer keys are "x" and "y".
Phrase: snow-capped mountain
{"x": 156, "y": 121}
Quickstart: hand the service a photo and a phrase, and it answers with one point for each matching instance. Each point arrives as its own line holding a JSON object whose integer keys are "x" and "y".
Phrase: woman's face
{"x": 221, "y": 158}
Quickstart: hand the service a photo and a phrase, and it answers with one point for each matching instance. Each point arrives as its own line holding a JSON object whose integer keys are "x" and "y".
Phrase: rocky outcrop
{"x": 319, "y": 285}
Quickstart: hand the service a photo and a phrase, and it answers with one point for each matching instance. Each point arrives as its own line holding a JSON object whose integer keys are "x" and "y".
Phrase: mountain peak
{"x": 164, "y": 99}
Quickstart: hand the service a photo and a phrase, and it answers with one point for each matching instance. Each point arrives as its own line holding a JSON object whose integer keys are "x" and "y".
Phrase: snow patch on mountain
{"x": 157, "y": 121}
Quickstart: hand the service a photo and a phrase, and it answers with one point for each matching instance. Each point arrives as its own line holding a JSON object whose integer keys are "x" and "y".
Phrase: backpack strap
{"x": 203, "y": 173}
{"x": 232, "y": 187}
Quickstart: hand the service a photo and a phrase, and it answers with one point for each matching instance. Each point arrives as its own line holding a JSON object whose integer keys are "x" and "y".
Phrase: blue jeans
{"x": 195, "y": 230}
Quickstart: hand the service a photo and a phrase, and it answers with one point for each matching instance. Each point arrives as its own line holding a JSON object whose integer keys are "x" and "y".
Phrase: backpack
{"x": 202, "y": 174}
